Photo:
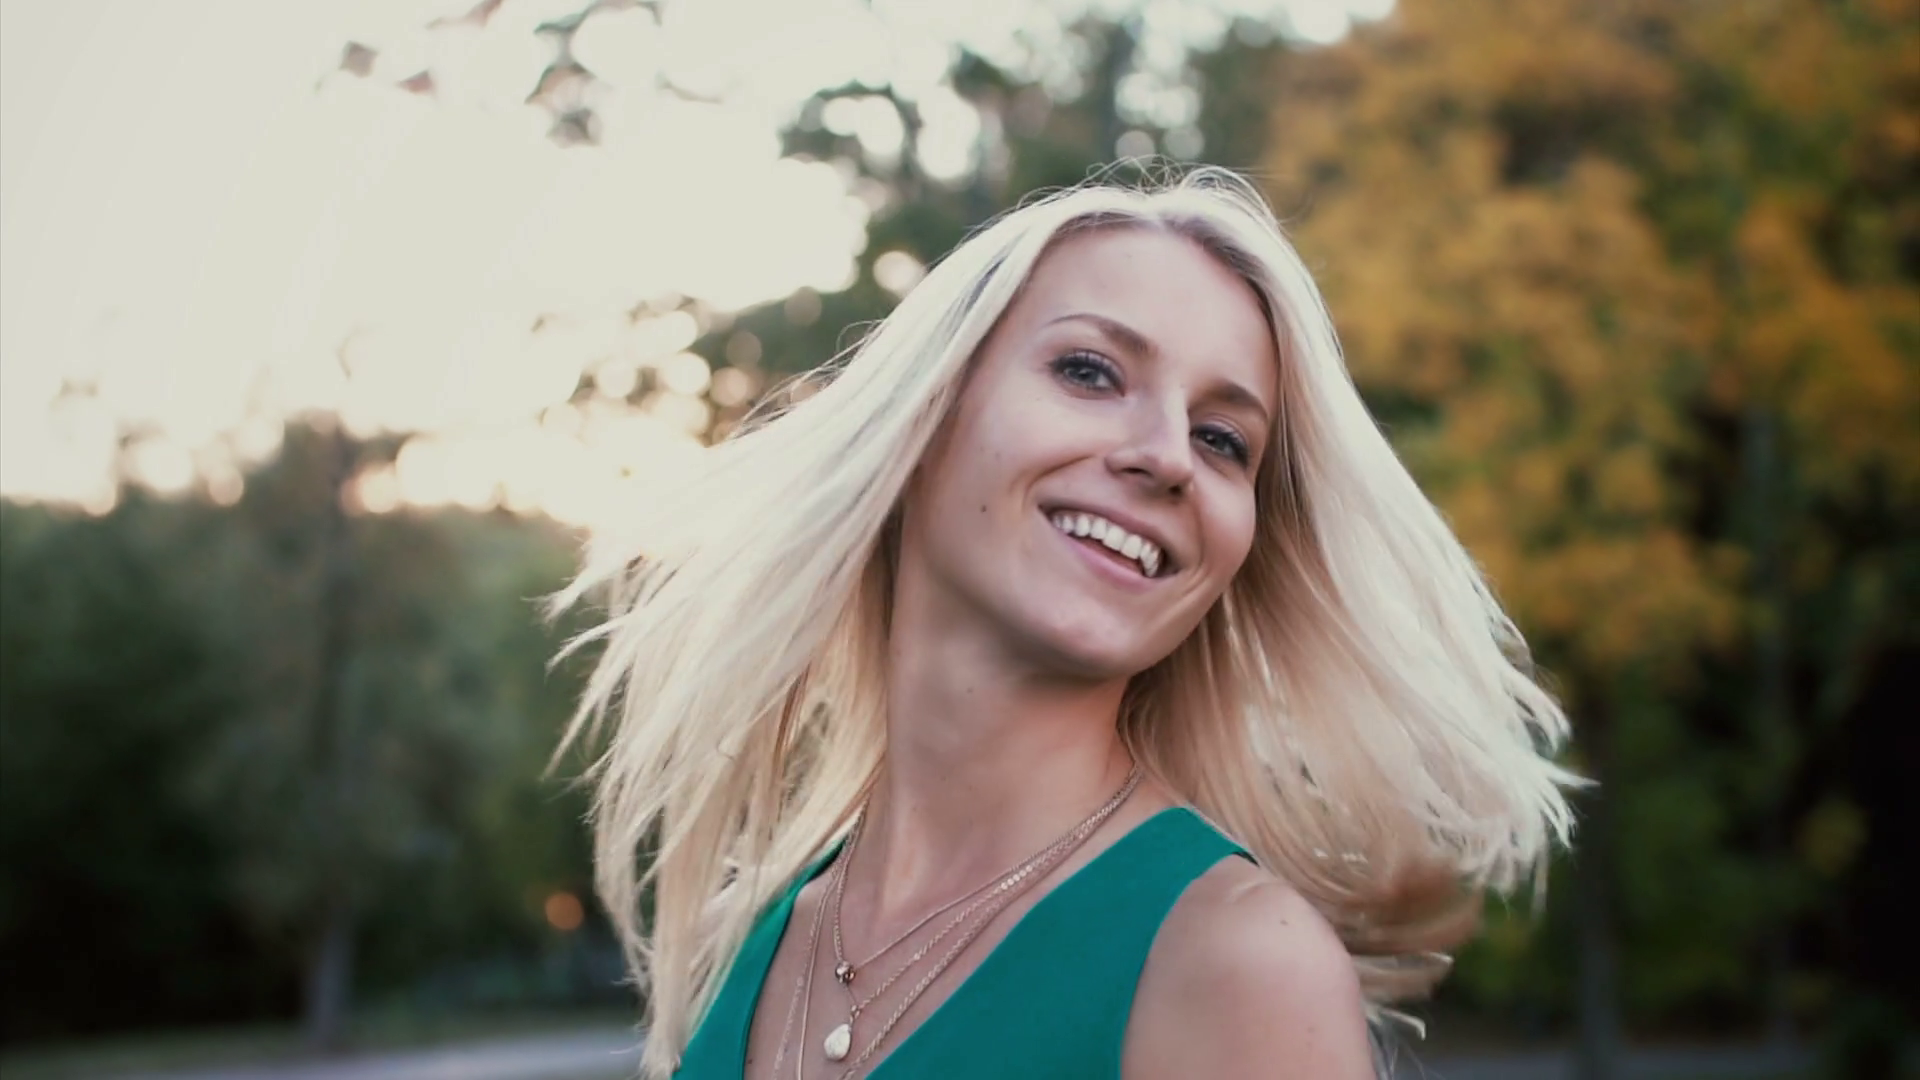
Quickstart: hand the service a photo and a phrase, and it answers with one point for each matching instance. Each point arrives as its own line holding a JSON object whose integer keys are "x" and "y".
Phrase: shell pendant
{"x": 839, "y": 1041}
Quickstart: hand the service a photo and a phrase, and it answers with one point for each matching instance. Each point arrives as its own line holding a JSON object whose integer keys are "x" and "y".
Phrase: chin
{"x": 1096, "y": 648}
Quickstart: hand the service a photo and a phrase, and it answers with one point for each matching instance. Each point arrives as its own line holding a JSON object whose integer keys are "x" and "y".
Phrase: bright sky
{"x": 200, "y": 217}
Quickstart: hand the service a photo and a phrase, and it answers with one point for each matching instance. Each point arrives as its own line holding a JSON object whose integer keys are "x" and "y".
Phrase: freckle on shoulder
{"x": 1247, "y": 979}
{"x": 1239, "y": 926}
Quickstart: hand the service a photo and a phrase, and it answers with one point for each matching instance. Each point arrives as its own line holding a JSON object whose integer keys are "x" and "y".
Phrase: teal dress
{"x": 1056, "y": 992}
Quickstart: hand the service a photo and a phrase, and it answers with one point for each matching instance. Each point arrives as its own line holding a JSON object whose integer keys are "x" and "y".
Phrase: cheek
{"x": 1230, "y": 535}
{"x": 999, "y": 452}
{"x": 961, "y": 502}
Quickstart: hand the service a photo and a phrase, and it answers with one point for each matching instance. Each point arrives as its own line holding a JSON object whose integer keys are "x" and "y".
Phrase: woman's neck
{"x": 986, "y": 765}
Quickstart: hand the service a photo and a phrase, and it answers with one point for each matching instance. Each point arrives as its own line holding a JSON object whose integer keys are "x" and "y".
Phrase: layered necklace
{"x": 978, "y": 909}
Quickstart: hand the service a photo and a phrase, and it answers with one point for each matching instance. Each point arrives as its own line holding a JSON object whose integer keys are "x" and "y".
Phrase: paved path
{"x": 602, "y": 1055}
{"x": 587, "y": 1055}
{"x": 1703, "y": 1063}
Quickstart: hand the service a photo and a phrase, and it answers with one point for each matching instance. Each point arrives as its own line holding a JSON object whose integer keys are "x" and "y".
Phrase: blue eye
{"x": 1225, "y": 442}
{"x": 1087, "y": 371}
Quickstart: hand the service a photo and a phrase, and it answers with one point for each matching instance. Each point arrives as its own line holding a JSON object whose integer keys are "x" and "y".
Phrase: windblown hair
{"x": 1356, "y": 710}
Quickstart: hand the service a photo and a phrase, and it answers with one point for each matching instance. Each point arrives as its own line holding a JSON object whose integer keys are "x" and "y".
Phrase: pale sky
{"x": 199, "y": 214}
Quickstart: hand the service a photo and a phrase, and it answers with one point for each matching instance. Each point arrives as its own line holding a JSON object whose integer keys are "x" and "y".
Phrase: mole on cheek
{"x": 983, "y": 508}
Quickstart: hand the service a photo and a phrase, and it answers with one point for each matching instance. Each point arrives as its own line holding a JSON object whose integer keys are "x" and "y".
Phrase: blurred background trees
{"x": 1635, "y": 289}
{"x": 189, "y": 824}
{"x": 1643, "y": 313}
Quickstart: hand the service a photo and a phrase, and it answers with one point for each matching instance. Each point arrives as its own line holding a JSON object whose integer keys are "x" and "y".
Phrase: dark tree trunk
{"x": 1597, "y": 946}
{"x": 329, "y": 982}
{"x": 1773, "y": 723}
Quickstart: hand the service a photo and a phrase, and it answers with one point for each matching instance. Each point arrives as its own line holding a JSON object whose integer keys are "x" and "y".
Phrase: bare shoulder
{"x": 1246, "y": 979}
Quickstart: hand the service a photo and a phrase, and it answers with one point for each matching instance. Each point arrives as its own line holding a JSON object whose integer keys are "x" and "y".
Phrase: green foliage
{"x": 111, "y": 906}
{"x": 164, "y": 808}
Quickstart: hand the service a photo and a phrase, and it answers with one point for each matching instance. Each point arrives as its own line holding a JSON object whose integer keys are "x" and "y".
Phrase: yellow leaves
{"x": 1897, "y": 135}
{"x": 1553, "y": 51}
{"x": 1807, "y": 70}
{"x": 1418, "y": 285}
{"x": 1433, "y": 65}
{"x": 1801, "y": 57}
{"x": 1895, "y": 12}
{"x": 1825, "y": 354}
{"x": 1585, "y": 59}
{"x": 1481, "y": 422}
{"x": 1552, "y": 350}
{"x": 1628, "y": 484}
{"x": 1612, "y": 577}
{"x": 1619, "y": 601}
{"x": 1540, "y": 480}
{"x": 1477, "y": 512}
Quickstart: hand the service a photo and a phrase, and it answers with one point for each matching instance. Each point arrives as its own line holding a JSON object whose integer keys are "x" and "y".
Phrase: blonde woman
{"x": 1076, "y": 685}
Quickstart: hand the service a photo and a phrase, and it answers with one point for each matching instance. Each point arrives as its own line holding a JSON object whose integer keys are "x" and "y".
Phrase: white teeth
{"x": 1141, "y": 550}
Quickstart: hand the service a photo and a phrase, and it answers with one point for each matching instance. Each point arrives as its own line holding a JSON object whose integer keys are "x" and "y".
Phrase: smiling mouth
{"x": 1142, "y": 554}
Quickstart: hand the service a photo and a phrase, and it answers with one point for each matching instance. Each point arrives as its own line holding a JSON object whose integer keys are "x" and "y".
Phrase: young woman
{"x": 1076, "y": 685}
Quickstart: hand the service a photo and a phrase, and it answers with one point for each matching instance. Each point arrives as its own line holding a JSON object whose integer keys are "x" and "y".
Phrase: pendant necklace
{"x": 801, "y": 1001}
{"x": 988, "y": 901}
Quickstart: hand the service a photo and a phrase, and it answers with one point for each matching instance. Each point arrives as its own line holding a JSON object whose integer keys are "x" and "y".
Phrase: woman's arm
{"x": 1247, "y": 980}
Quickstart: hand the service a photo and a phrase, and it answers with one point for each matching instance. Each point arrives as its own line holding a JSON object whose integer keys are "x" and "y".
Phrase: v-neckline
{"x": 782, "y": 917}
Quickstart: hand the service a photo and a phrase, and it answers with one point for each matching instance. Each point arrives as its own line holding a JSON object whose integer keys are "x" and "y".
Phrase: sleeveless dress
{"x": 1052, "y": 998}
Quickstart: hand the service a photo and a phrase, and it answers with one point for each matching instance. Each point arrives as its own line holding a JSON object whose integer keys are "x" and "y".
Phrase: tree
{"x": 112, "y": 691}
{"x": 375, "y": 736}
{"x": 163, "y": 812}
{"x": 1627, "y": 285}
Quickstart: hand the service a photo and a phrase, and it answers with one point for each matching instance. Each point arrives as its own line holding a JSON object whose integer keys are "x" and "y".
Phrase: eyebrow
{"x": 1139, "y": 344}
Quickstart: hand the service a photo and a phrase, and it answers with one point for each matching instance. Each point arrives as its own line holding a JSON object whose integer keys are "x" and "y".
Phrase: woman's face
{"x": 1092, "y": 493}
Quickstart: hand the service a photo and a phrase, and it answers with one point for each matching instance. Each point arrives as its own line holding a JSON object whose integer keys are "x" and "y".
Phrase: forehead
{"x": 1198, "y": 312}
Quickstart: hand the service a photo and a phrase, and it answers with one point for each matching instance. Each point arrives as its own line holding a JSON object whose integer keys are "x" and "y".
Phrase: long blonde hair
{"x": 1356, "y": 709}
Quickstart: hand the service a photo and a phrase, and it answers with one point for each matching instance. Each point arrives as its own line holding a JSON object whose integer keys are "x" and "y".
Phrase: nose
{"x": 1157, "y": 452}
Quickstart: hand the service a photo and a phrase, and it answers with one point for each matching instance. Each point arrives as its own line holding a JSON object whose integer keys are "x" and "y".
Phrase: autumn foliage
{"x": 1636, "y": 289}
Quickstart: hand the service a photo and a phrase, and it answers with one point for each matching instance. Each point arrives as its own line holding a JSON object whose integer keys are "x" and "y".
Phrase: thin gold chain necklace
{"x": 846, "y": 971}
{"x": 999, "y": 894}
{"x": 801, "y": 1002}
